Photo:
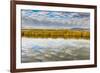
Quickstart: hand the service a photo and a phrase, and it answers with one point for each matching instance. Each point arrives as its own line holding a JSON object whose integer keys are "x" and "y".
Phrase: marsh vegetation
{"x": 55, "y": 33}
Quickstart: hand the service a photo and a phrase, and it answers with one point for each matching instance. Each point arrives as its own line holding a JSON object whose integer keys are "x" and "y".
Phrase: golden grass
{"x": 55, "y": 33}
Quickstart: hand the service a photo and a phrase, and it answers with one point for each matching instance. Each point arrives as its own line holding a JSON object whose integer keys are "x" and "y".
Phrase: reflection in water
{"x": 42, "y": 50}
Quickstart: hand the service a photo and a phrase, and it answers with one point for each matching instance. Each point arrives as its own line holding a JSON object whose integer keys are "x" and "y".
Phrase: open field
{"x": 55, "y": 33}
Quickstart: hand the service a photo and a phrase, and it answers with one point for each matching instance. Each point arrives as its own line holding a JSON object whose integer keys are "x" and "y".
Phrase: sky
{"x": 42, "y": 19}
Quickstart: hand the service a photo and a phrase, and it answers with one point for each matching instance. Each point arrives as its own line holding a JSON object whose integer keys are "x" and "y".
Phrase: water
{"x": 42, "y": 50}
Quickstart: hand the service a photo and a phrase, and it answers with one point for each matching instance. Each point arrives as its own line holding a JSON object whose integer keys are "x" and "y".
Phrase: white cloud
{"x": 59, "y": 19}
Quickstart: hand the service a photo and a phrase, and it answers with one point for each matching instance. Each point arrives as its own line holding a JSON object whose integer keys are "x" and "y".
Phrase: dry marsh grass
{"x": 51, "y": 33}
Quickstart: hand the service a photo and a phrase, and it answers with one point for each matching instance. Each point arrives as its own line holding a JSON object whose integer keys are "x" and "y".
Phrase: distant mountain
{"x": 81, "y": 29}
{"x": 69, "y": 28}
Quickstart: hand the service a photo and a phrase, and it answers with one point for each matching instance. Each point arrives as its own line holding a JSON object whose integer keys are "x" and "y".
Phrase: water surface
{"x": 42, "y": 50}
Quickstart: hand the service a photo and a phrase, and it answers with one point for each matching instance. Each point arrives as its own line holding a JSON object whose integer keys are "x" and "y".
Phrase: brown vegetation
{"x": 51, "y": 33}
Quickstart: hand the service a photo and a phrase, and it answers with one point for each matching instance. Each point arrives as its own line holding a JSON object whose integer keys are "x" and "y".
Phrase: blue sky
{"x": 42, "y": 19}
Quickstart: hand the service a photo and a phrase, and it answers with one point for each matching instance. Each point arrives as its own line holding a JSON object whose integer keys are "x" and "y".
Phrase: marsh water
{"x": 48, "y": 49}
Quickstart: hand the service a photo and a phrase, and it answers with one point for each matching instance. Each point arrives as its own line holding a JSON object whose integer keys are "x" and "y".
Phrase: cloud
{"x": 55, "y": 19}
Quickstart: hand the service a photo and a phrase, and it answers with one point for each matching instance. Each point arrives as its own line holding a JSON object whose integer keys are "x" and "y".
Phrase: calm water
{"x": 42, "y": 50}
